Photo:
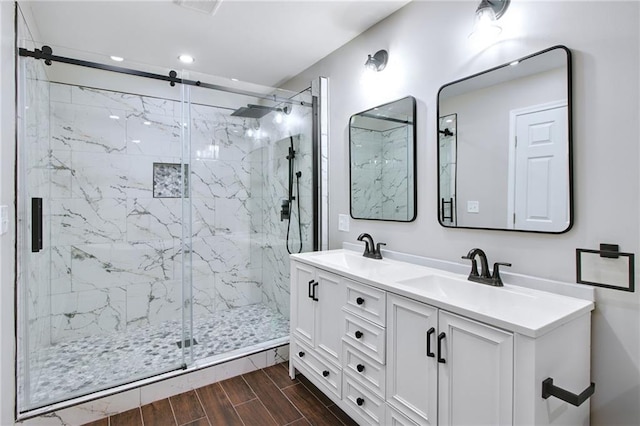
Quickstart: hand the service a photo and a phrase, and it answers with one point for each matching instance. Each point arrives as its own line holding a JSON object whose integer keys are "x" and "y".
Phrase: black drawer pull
{"x": 360, "y": 368}
{"x": 360, "y": 301}
{"x": 441, "y": 337}
{"x": 359, "y": 334}
{"x": 325, "y": 373}
{"x": 300, "y": 354}
{"x": 360, "y": 401}
{"x": 429, "y": 333}
{"x": 314, "y": 287}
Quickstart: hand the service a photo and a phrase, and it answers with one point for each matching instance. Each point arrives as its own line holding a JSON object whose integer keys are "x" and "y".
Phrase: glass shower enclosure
{"x": 155, "y": 222}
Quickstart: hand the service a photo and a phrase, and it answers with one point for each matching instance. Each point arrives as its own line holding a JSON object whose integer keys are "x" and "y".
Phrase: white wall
{"x": 7, "y": 241}
{"x": 428, "y": 47}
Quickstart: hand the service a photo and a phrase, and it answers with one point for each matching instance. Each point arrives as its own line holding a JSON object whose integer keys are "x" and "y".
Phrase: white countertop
{"x": 518, "y": 309}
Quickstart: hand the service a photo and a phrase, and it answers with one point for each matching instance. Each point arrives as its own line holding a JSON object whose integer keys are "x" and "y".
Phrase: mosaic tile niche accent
{"x": 166, "y": 180}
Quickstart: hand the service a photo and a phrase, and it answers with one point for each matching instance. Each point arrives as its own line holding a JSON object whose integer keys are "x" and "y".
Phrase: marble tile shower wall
{"x": 118, "y": 249}
{"x": 380, "y": 177}
{"x": 271, "y": 182}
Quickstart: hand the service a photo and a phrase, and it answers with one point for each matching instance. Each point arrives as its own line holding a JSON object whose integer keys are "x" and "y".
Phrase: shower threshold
{"x": 85, "y": 369}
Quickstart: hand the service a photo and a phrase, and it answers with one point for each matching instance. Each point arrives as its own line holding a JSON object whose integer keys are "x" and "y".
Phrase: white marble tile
{"x": 224, "y": 253}
{"x": 242, "y": 365}
{"x": 60, "y": 92}
{"x": 84, "y": 128}
{"x": 236, "y": 288}
{"x": 87, "y": 312}
{"x": 108, "y": 265}
{"x": 78, "y": 221}
{"x": 203, "y": 214}
{"x": 153, "y": 302}
{"x": 164, "y": 389}
{"x": 154, "y": 219}
{"x": 124, "y": 101}
{"x": 232, "y": 216}
{"x": 220, "y": 179}
{"x": 61, "y": 168}
{"x": 153, "y": 134}
{"x": 277, "y": 355}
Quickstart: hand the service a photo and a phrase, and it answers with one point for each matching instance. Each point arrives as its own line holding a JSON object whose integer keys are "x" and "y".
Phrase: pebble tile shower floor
{"x": 70, "y": 368}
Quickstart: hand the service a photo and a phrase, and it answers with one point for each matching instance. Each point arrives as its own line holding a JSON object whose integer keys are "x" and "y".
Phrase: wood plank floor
{"x": 262, "y": 397}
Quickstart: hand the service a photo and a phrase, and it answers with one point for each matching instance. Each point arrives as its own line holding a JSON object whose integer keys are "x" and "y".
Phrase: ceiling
{"x": 264, "y": 42}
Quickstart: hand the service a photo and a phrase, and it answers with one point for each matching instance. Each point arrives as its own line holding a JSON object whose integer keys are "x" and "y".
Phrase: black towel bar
{"x": 548, "y": 389}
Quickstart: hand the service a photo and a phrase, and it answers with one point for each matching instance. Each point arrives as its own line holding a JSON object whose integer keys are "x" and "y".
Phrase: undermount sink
{"x": 352, "y": 260}
{"x": 453, "y": 288}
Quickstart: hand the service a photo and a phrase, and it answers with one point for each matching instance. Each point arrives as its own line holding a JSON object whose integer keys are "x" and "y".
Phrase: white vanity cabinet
{"x": 444, "y": 369}
{"x": 392, "y": 343}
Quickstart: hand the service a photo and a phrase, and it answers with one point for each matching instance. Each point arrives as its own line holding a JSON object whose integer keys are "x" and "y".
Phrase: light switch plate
{"x": 4, "y": 219}
{"x": 473, "y": 206}
{"x": 343, "y": 222}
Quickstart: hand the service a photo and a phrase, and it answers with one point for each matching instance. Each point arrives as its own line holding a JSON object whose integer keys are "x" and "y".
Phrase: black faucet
{"x": 371, "y": 250}
{"x": 484, "y": 277}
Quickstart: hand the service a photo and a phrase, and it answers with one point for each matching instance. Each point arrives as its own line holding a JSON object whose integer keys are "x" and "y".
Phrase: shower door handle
{"x": 36, "y": 224}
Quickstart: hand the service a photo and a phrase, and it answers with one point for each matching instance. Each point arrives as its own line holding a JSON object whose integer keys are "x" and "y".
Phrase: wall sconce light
{"x": 487, "y": 13}
{"x": 378, "y": 61}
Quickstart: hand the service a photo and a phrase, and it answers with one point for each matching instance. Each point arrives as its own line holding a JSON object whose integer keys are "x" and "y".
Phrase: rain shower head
{"x": 253, "y": 111}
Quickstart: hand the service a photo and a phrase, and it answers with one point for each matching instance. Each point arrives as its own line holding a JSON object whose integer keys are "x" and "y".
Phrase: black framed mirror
{"x": 382, "y": 162}
{"x": 504, "y": 146}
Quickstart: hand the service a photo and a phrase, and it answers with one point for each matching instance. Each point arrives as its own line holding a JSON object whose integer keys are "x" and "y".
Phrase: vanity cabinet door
{"x": 330, "y": 296}
{"x": 412, "y": 367}
{"x": 317, "y": 298}
{"x": 475, "y": 377}
{"x": 302, "y": 304}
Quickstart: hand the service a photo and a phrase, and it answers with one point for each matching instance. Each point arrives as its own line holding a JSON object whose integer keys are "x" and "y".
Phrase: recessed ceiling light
{"x": 186, "y": 59}
{"x": 514, "y": 63}
{"x": 135, "y": 140}
{"x": 117, "y": 58}
{"x": 114, "y": 117}
{"x": 234, "y": 79}
{"x": 147, "y": 123}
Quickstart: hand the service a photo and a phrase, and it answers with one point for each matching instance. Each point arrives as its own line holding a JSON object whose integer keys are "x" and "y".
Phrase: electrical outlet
{"x": 343, "y": 222}
{"x": 473, "y": 206}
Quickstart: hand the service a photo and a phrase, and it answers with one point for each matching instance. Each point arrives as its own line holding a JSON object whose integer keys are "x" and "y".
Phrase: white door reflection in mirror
{"x": 539, "y": 194}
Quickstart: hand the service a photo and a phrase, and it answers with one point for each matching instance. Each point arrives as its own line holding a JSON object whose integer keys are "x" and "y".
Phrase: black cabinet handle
{"x": 314, "y": 287}
{"x": 36, "y": 225}
{"x": 359, "y": 300}
{"x": 360, "y": 368}
{"x": 325, "y": 373}
{"x": 310, "y": 290}
{"x": 300, "y": 354}
{"x": 441, "y": 337}
{"x": 359, "y": 334}
{"x": 360, "y": 401}
{"x": 429, "y": 333}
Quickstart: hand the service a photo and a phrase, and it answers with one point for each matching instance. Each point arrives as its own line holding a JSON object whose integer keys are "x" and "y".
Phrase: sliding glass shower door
{"x": 101, "y": 250}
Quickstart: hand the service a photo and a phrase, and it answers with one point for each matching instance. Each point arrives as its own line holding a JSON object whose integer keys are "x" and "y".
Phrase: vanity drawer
{"x": 366, "y": 301}
{"x": 367, "y": 371}
{"x": 365, "y": 406}
{"x": 320, "y": 370}
{"x": 365, "y": 336}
